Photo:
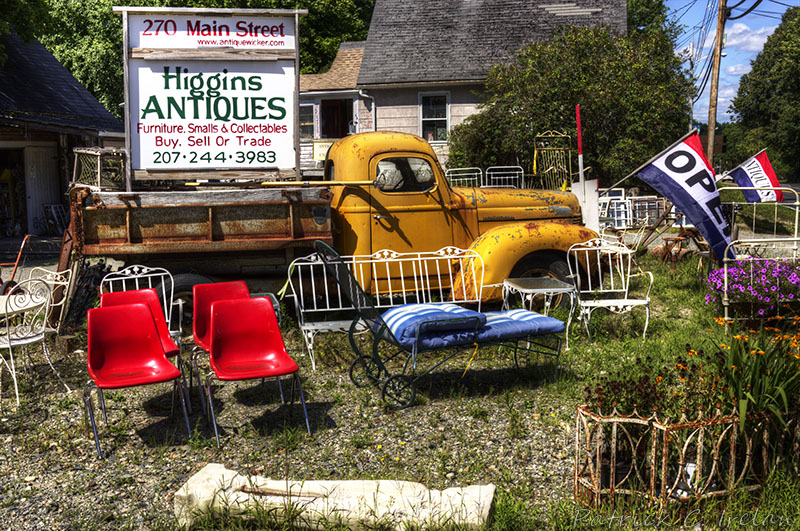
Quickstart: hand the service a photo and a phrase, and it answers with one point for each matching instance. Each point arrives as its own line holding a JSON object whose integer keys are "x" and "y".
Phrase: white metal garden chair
{"x": 23, "y": 313}
{"x": 602, "y": 271}
{"x": 60, "y": 283}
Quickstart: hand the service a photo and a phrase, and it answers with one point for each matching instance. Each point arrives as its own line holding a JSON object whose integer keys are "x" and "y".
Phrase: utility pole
{"x": 712, "y": 98}
{"x": 691, "y": 96}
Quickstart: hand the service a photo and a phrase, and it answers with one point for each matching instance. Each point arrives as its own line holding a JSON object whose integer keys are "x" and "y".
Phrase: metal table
{"x": 527, "y": 288}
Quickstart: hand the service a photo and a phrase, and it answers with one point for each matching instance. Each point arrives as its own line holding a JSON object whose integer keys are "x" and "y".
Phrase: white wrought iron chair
{"x": 60, "y": 283}
{"x": 602, "y": 271}
{"x": 25, "y": 309}
{"x": 136, "y": 277}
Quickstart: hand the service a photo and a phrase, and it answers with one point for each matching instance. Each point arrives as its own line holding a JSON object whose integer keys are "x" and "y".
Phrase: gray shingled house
{"x": 44, "y": 113}
{"x": 424, "y": 62}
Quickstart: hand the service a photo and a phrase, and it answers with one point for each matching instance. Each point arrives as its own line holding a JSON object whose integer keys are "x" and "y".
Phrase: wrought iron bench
{"x": 425, "y": 277}
{"x": 417, "y": 328}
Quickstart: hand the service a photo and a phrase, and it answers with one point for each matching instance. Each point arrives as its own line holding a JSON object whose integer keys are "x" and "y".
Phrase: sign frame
{"x": 211, "y": 54}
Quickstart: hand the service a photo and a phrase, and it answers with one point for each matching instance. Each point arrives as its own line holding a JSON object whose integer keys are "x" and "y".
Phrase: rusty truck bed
{"x": 165, "y": 222}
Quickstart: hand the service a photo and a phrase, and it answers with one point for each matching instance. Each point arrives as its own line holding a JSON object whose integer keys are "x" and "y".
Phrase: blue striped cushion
{"x": 516, "y": 324}
{"x": 438, "y": 330}
{"x": 431, "y": 318}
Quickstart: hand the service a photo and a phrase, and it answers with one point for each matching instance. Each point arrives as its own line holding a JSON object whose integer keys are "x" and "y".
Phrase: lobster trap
{"x": 103, "y": 168}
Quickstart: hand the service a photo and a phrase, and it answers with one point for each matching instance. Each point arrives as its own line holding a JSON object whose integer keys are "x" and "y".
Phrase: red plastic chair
{"x": 202, "y": 297}
{"x": 149, "y": 297}
{"x": 125, "y": 350}
{"x": 246, "y": 344}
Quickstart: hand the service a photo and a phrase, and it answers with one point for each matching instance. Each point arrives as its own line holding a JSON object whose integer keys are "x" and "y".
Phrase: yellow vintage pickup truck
{"x": 409, "y": 206}
{"x": 381, "y": 190}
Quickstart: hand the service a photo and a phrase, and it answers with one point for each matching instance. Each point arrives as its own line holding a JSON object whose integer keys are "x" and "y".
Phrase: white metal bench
{"x": 449, "y": 275}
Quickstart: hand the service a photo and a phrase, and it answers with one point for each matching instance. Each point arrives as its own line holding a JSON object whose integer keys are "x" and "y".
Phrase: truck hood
{"x": 511, "y": 204}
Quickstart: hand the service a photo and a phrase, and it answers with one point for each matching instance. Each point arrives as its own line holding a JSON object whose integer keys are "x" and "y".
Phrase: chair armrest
{"x": 575, "y": 278}
{"x": 645, "y": 274}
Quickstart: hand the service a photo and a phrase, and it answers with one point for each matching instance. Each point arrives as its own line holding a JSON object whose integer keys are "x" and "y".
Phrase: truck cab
{"x": 409, "y": 206}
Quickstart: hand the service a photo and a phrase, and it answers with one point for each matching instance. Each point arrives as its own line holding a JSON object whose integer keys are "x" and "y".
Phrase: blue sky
{"x": 745, "y": 37}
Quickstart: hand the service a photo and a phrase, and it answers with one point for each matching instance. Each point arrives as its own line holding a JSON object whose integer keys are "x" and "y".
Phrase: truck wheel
{"x": 182, "y": 285}
{"x": 544, "y": 265}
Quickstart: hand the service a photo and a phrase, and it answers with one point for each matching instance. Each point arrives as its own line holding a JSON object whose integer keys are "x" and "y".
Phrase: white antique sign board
{"x": 211, "y": 93}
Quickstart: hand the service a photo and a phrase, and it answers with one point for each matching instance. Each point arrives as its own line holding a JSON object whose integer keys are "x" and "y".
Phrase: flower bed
{"x": 755, "y": 288}
{"x": 666, "y": 455}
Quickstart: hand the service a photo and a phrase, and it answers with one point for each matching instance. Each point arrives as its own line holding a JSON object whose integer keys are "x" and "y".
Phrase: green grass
{"x": 519, "y": 405}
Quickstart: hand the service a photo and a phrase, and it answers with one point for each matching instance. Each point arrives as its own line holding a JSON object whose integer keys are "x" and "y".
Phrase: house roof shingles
{"x": 459, "y": 40}
{"x": 343, "y": 73}
{"x": 35, "y": 88}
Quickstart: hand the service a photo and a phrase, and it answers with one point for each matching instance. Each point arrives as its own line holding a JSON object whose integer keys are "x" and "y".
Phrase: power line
{"x": 781, "y": 3}
{"x": 759, "y": 14}
{"x": 752, "y": 7}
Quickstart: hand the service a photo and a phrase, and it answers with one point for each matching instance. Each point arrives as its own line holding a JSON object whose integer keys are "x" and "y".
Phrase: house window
{"x": 306, "y": 122}
{"x": 434, "y": 117}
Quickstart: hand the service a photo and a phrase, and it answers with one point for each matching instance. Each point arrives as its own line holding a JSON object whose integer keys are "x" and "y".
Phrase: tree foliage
{"x": 632, "y": 91}
{"x": 86, "y": 37}
{"x": 23, "y": 17}
{"x": 767, "y": 106}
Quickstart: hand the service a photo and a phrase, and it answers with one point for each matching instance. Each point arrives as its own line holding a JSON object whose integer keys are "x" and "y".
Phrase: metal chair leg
{"x": 199, "y": 383}
{"x": 302, "y": 400}
{"x": 280, "y": 388}
{"x": 182, "y": 367}
{"x": 103, "y": 404}
{"x": 172, "y": 399}
{"x": 183, "y": 405}
{"x": 88, "y": 408}
{"x": 49, "y": 362}
{"x": 211, "y": 408}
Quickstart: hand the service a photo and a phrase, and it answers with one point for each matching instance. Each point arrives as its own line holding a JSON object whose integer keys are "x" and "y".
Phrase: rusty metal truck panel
{"x": 116, "y": 223}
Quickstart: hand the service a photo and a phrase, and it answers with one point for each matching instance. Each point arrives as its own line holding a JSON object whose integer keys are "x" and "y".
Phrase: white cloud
{"x": 741, "y": 36}
{"x": 726, "y": 94}
{"x": 737, "y": 70}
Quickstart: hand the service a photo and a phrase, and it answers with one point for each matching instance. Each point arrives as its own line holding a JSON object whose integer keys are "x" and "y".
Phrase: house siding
{"x": 398, "y": 109}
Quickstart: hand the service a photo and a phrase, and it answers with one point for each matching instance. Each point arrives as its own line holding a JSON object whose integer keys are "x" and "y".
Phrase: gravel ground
{"x": 511, "y": 427}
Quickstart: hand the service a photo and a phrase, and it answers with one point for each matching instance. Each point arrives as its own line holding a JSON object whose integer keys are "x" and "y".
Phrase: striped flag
{"x": 682, "y": 174}
{"x": 757, "y": 172}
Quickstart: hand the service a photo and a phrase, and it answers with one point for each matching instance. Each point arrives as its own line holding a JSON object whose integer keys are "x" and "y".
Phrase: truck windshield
{"x": 404, "y": 174}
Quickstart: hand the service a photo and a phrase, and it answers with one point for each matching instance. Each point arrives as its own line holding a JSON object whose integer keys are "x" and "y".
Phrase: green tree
{"x": 767, "y": 106}
{"x": 24, "y": 17}
{"x": 647, "y": 15}
{"x": 86, "y": 37}
{"x": 632, "y": 91}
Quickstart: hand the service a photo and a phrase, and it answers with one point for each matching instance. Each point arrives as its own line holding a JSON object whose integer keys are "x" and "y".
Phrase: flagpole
{"x": 580, "y": 153}
{"x": 637, "y": 170}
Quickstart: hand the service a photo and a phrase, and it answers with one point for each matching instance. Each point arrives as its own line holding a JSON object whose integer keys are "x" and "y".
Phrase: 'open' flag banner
{"x": 682, "y": 175}
{"x": 757, "y": 172}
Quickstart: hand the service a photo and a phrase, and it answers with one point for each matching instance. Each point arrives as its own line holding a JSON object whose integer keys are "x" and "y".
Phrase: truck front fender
{"x": 503, "y": 247}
